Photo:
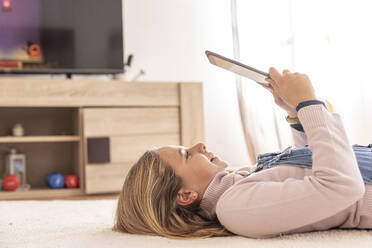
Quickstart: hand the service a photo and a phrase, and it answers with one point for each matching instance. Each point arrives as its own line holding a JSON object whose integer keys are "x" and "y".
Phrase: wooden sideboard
{"x": 92, "y": 128}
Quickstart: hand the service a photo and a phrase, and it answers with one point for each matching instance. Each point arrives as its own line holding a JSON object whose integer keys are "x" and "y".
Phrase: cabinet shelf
{"x": 39, "y": 193}
{"x": 38, "y": 139}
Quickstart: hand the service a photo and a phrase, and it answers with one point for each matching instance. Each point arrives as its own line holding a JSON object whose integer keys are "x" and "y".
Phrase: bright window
{"x": 330, "y": 41}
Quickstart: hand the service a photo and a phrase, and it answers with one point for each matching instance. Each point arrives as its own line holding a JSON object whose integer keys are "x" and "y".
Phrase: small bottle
{"x": 15, "y": 164}
{"x": 18, "y": 130}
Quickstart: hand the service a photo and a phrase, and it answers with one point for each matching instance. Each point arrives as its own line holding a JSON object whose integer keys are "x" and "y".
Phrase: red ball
{"x": 10, "y": 183}
{"x": 71, "y": 181}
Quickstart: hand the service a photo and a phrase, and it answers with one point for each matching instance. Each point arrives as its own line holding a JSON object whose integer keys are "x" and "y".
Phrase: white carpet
{"x": 87, "y": 223}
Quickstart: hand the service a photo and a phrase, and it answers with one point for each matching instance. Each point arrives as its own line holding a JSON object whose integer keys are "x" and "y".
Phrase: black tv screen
{"x": 61, "y": 36}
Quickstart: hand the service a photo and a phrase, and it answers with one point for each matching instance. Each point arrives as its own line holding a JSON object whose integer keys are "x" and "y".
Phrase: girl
{"x": 319, "y": 184}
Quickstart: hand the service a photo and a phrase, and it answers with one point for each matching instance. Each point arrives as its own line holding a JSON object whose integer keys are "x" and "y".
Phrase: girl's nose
{"x": 200, "y": 147}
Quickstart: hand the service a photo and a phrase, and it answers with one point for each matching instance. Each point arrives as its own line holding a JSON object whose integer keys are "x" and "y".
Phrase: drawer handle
{"x": 98, "y": 150}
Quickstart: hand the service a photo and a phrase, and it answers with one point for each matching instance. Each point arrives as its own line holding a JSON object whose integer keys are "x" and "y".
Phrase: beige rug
{"x": 87, "y": 223}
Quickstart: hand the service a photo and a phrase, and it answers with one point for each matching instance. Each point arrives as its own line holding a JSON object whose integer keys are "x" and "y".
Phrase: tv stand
{"x": 67, "y": 121}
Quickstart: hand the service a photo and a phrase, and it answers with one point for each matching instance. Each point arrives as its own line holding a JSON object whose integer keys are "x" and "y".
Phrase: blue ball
{"x": 55, "y": 180}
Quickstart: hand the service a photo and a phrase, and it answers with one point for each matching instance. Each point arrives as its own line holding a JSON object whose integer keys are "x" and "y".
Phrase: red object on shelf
{"x": 6, "y": 5}
{"x": 10, "y": 65}
{"x": 34, "y": 50}
{"x": 71, "y": 181}
{"x": 10, "y": 183}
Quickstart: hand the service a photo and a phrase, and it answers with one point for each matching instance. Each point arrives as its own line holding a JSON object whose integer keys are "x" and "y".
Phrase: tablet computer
{"x": 237, "y": 67}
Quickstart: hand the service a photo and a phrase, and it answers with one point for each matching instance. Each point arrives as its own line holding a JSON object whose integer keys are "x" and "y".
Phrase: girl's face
{"x": 195, "y": 165}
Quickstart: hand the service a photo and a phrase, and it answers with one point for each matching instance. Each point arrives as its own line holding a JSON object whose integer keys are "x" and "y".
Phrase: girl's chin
{"x": 224, "y": 165}
{"x": 220, "y": 163}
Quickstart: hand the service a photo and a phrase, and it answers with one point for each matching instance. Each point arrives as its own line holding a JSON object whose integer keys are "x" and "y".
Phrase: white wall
{"x": 168, "y": 39}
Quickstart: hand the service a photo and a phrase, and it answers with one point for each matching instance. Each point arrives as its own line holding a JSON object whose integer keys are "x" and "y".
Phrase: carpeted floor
{"x": 87, "y": 223}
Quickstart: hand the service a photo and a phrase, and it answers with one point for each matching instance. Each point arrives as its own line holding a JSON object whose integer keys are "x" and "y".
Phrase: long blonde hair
{"x": 148, "y": 204}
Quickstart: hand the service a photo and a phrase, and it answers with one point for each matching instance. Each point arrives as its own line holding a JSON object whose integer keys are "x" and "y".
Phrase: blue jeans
{"x": 302, "y": 157}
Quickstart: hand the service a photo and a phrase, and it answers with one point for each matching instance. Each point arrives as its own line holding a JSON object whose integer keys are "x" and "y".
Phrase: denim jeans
{"x": 302, "y": 157}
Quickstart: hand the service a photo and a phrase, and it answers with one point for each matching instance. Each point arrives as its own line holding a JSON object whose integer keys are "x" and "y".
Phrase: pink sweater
{"x": 288, "y": 199}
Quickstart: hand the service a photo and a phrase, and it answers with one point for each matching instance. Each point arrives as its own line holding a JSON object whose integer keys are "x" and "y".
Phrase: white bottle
{"x": 18, "y": 130}
{"x": 15, "y": 164}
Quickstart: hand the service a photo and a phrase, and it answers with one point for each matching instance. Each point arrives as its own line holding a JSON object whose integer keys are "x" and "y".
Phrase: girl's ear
{"x": 186, "y": 197}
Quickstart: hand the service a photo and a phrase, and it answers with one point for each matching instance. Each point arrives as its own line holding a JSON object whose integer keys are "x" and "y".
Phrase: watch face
{"x": 292, "y": 120}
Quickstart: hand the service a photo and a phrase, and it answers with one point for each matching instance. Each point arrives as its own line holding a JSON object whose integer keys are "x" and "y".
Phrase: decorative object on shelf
{"x": 55, "y": 180}
{"x": 10, "y": 183}
{"x": 18, "y": 130}
{"x": 71, "y": 181}
{"x": 15, "y": 164}
{"x": 6, "y": 5}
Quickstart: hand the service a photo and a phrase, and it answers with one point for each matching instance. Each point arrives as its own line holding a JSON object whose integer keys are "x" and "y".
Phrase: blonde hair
{"x": 148, "y": 204}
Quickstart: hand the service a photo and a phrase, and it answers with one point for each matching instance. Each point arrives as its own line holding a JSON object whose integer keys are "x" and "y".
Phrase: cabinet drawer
{"x": 100, "y": 122}
{"x": 105, "y": 178}
{"x": 129, "y": 132}
{"x": 124, "y": 152}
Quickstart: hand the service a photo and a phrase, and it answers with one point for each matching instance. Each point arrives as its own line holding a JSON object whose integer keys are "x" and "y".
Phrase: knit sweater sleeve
{"x": 262, "y": 209}
{"x": 299, "y": 139}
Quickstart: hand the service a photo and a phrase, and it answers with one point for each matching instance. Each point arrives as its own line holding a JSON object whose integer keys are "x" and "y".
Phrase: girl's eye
{"x": 187, "y": 154}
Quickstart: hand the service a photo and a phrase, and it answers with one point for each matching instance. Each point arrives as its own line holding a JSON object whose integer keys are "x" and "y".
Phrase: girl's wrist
{"x": 292, "y": 115}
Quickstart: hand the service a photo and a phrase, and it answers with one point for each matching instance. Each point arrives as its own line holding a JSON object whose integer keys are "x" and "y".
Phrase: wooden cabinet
{"x": 94, "y": 129}
{"x": 130, "y": 132}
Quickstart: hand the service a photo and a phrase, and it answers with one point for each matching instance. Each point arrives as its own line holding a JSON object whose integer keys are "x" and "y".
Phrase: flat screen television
{"x": 61, "y": 36}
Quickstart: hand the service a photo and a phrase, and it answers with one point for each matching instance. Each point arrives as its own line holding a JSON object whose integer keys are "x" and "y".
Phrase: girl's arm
{"x": 265, "y": 204}
{"x": 261, "y": 209}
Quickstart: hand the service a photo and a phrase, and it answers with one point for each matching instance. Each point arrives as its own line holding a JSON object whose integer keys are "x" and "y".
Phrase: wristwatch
{"x": 291, "y": 120}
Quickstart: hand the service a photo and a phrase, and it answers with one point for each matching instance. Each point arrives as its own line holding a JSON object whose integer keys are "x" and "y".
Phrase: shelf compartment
{"x": 42, "y": 121}
{"x": 45, "y": 158}
{"x": 39, "y": 139}
{"x": 39, "y": 193}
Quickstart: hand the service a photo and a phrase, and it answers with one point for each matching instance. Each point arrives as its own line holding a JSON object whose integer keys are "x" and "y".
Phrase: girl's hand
{"x": 279, "y": 101}
{"x": 293, "y": 88}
